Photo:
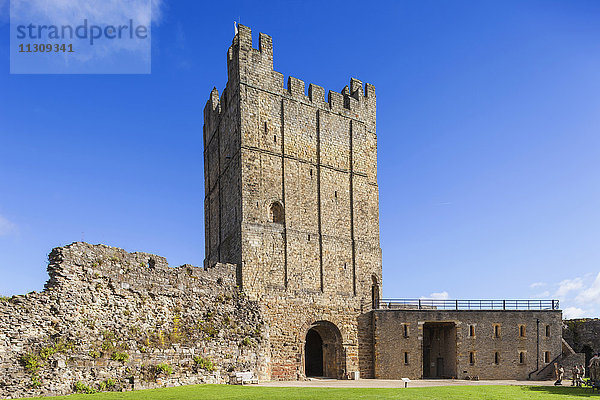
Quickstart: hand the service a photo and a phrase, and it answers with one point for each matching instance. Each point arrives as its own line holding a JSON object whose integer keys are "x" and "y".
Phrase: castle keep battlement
{"x": 292, "y": 199}
{"x": 353, "y": 101}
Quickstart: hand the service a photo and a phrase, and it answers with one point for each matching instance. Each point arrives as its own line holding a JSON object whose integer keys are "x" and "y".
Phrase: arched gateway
{"x": 323, "y": 353}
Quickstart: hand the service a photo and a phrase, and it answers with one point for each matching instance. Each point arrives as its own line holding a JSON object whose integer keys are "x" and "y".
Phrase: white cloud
{"x": 537, "y": 285}
{"x": 544, "y": 295}
{"x": 573, "y": 312}
{"x": 437, "y": 296}
{"x": 6, "y": 227}
{"x": 590, "y": 295}
{"x": 568, "y": 285}
{"x": 68, "y": 11}
{"x": 579, "y": 297}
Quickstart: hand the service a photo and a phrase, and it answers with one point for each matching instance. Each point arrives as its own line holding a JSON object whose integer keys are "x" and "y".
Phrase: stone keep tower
{"x": 291, "y": 198}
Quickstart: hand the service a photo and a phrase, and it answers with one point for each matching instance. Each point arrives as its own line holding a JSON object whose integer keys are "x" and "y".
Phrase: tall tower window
{"x": 277, "y": 213}
{"x": 374, "y": 292}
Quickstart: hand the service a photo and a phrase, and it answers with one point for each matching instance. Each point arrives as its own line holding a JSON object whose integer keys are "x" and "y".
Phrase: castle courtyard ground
{"x": 390, "y": 383}
{"x": 430, "y": 390}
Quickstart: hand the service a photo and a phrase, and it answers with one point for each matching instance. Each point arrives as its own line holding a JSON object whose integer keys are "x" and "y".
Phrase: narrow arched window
{"x": 277, "y": 213}
{"x": 375, "y": 292}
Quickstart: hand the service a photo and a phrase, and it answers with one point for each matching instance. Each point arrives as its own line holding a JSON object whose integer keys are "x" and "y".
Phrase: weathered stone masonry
{"x": 483, "y": 344}
{"x": 106, "y": 314}
{"x": 292, "y": 199}
{"x": 292, "y": 276}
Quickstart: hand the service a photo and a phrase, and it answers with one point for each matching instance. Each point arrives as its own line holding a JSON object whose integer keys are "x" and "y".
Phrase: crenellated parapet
{"x": 253, "y": 67}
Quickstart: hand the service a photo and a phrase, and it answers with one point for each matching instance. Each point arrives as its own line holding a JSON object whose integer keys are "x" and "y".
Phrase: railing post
{"x": 419, "y": 304}
{"x": 457, "y": 304}
{"x": 504, "y": 304}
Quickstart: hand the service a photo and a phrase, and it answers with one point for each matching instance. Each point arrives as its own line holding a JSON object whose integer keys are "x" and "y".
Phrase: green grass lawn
{"x": 207, "y": 392}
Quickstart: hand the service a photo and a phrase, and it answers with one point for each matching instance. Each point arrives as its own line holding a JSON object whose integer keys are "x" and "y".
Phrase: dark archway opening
{"x": 323, "y": 351}
{"x": 439, "y": 350}
{"x": 589, "y": 353}
{"x": 313, "y": 349}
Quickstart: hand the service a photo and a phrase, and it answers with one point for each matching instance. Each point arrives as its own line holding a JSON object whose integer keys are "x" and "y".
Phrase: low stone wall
{"x": 112, "y": 320}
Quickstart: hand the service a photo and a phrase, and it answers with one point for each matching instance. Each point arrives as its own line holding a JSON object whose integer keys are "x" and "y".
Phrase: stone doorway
{"x": 323, "y": 351}
{"x": 439, "y": 350}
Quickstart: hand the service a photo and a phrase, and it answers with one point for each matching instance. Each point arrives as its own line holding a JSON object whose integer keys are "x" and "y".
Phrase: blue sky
{"x": 488, "y": 130}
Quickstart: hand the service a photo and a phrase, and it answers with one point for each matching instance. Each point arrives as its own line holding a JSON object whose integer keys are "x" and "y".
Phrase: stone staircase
{"x": 567, "y": 359}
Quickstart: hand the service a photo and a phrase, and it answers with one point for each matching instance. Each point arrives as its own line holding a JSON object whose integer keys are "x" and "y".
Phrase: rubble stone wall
{"x": 583, "y": 335}
{"x": 113, "y": 320}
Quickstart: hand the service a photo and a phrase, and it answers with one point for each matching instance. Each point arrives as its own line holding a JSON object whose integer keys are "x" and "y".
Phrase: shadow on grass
{"x": 564, "y": 390}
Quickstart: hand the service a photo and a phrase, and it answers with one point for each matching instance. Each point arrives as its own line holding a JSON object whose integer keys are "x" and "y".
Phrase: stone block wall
{"x": 290, "y": 148}
{"x": 107, "y": 316}
{"x": 390, "y": 343}
{"x": 289, "y": 320}
{"x": 315, "y": 158}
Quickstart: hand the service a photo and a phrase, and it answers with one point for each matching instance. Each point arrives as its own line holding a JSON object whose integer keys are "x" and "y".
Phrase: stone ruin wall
{"x": 583, "y": 335}
{"x": 107, "y": 316}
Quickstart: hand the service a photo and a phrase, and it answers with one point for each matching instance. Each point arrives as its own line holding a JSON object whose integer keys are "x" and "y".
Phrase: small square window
{"x": 497, "y": 331}
{"x": 547, "y": 330}
{"x": 546, "y": 357}
{"x": 471, "y": 330}
{"x": 472, "y": 358}
{"x": 406, "y": 358}
{"x": 405, "y": 330}
{"x": 521, "y": 357}
{"x": 496, "y": 358}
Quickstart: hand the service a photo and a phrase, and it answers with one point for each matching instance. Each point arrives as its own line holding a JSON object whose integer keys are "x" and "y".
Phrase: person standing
{"x": 574, "y": 375}
{"x": 561, "y": 373}
{"x": 581, "y": 375}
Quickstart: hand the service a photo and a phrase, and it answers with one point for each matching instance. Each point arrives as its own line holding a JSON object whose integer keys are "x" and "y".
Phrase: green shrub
{"x": 47, "y": 352}
{"x": 246, "y": 341}
{"x": 108, "y": 384}
{"x": 164, "y": 368}
{"x": 4, "y": 299}
{"x": 94, "y": 354}
{"x": 204, "y": 363}
{"x": 31, "y": 362}
{"x": 35, "y": 382}
{"x": 63, "y": 347}
{"x": 117, "y": 356}
{"x": 80, "y": 387}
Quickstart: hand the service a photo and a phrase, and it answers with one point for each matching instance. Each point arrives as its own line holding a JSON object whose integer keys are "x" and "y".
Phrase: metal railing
{"x": 435, "y": 304}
